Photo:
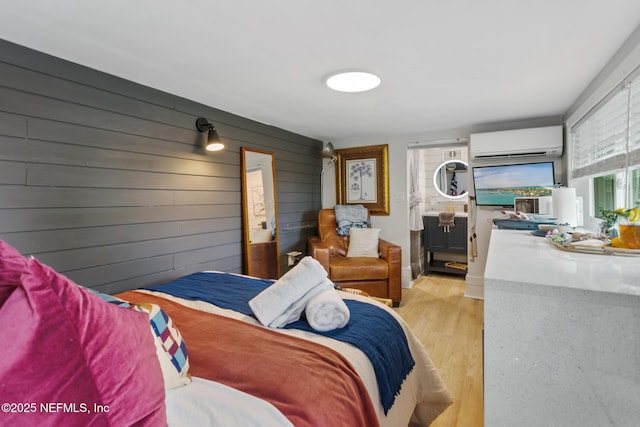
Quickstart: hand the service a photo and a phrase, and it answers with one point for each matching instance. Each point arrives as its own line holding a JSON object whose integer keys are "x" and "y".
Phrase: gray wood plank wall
{"x": 103, "y": 179}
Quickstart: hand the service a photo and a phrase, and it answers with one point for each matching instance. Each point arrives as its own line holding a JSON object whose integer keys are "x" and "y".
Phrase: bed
{"x": 85, "y": 358}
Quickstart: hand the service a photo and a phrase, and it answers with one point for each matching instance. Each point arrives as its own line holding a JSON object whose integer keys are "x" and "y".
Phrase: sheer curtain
{"x": 415, "y": 212}
{"x": 415, "y": 196}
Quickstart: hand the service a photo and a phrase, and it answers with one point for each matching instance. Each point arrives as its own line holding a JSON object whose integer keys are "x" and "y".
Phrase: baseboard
{"x": 407, "y": 280}
{"x": 474, "y": 287}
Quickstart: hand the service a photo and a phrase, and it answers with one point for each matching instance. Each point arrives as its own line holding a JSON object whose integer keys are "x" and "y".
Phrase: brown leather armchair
{"x": 380, "y": 277}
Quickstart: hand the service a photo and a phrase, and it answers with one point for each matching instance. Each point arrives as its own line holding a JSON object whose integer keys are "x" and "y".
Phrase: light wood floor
{"x": 450, "y": 327}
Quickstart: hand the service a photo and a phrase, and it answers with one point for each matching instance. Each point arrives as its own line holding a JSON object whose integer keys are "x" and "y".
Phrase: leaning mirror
{"x": 260, "y": 214}
{"x": 450, "y": 179}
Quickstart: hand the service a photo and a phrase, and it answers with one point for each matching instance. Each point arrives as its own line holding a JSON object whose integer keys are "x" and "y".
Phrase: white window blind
{"x": 600, "y": 139}
{"x": 636, "y": 187}
{"x": 634, "y": 123}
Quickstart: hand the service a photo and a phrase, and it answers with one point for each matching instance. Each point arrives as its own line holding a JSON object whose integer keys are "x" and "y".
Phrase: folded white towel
{"x": 295, "y": 309}
{"x": 327, "y": 311}
{"x": 284, "y": 301}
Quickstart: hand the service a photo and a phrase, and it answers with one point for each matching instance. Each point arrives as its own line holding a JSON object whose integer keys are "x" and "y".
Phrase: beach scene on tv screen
{"x": 499, "y": 185}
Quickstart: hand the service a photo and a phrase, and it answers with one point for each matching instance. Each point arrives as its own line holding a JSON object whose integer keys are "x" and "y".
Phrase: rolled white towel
{"x": 327, "y": 311}
{"x": 284, "y": 301}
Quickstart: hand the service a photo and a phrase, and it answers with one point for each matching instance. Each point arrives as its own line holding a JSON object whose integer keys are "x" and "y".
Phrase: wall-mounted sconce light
{"x": 212, "y": 141}
{"x": 328, "y": 152}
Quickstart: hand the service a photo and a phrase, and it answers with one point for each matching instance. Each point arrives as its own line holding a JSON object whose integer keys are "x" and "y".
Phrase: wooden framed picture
{"x": 362, "y": 177}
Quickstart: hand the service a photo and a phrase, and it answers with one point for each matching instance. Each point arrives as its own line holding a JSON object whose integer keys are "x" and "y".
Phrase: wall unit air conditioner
{"x": 533, "y": 142}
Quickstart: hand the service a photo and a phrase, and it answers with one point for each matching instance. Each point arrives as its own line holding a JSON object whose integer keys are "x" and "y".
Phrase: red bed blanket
{"x": 308, "y": 382}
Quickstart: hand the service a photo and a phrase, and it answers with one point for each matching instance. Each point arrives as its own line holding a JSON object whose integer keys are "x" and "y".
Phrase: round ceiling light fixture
{"x": 353, "y": 81}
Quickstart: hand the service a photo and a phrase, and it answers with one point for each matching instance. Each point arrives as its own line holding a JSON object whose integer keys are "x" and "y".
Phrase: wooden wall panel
{"x": 15, "y": 54}
{"x": 59, "y": 197}
{"x": 13, "y": 125}
{"x": 57, "y": 240}
{"x": 113, "y": 273}
{"x": 47, "y": 130}
{"x": 13, "y": 148}
{"x": 87, "y": 176}
{"x": 12, "y": 173}
{"x": 105, "y": 180}
{"x": 119, "y": 253}
{"x": 15, "y": 220}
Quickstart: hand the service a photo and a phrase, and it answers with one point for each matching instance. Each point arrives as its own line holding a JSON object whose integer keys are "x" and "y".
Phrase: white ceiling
{"x": 444, "y": 64}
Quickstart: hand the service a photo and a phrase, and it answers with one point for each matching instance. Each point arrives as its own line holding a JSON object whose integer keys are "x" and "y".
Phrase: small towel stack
{"x": 447, "y": 220}
{"x": 304, "y": 286}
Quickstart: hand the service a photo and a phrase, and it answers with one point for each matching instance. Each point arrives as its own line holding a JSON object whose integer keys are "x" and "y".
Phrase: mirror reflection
{"x": 450, "y": 179}
{"x": 260, "y": 214}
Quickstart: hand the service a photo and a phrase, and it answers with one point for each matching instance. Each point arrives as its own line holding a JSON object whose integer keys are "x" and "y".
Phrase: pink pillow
{"x": 11, "y": 266}
{"x": 74, "y": 359}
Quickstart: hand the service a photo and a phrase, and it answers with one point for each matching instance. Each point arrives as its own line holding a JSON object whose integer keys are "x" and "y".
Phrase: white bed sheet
{"x": 209, "y": 403}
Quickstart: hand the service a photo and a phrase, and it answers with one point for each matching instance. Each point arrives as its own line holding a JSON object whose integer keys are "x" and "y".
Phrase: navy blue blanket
{"x": 370, "y": 328}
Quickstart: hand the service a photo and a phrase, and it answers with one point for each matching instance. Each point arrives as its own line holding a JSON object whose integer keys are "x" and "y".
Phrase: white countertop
{"x": 561, "y": 337}
{"x": 518, "y": 256}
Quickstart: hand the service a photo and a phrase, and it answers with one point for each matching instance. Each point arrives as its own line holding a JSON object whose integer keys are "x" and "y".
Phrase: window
{"x": 604, "y": 194}
{"x": 635, "y": 189}
{"x": 634, "y": 119}
{"x": 600, "y": 141}
{"x": 605, "y": 151}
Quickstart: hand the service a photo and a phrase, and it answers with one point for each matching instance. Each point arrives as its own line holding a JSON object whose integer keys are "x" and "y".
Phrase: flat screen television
{"x": 499, "y": 185}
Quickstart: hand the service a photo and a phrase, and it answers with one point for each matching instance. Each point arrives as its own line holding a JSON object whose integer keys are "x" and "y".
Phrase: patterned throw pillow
{"x": 108, "y": 298}
{"x": 170, "y": 347}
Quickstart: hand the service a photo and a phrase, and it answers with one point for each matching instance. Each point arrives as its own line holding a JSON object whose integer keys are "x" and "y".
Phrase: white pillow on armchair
{"x": 363, "y": 242}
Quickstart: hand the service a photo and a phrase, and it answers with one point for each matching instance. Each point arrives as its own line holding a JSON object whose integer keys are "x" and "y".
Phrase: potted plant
{"x": 607, "y": 226}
